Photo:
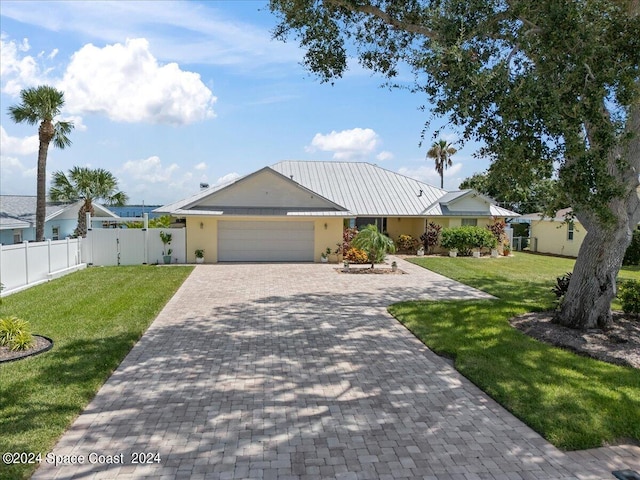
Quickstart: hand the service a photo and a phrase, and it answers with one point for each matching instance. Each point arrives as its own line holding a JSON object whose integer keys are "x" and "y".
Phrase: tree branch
{"x": 385, "y": 17}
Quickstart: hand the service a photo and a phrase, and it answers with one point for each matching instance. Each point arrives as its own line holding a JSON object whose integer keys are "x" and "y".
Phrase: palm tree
{"x": 441, "y": 151}
{"x": 41, "y": 105}
{"x": 88, "y": 185}
{"x": 374, "y": 242}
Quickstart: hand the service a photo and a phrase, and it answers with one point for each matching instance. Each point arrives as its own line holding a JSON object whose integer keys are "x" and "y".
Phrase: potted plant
{"x": 324, "y": 256}
{"x": 506, "y": 250}
{"x": 199, "y": 255}
{"x": 394, "y": 266}
{"x": 453, "y": 252}
{"x": 420, "y": 251}
{"x": 346, "y": 266}
{"x": 166, "y": 241}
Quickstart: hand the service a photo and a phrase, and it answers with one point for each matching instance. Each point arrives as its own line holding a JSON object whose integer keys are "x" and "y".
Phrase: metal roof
{"x": 359, "y": 189}
{"x": 363, "y": 188}
{"x": 19, "y": 211}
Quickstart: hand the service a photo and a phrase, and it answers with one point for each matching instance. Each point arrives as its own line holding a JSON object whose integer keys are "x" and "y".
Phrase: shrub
{"x": 408, "y": 244}
{"x": 632, "y": 255}
{"x": 464, "y": 239}
{"x": 562, "y": 285}
{"x": 355, "y": 255}
{"x": 348, "y": 234}
{"x": 629, "y": 295}
{"x": 497, "y": 230}
{"x": 431, "y": 237}
{"x": 14, "y": 333}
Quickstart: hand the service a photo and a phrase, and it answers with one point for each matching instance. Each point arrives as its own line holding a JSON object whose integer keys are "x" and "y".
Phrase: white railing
{"x": 29, "y": 263}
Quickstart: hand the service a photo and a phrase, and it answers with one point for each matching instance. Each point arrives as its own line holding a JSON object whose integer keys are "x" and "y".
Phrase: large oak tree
{"x": 546, "y": 85}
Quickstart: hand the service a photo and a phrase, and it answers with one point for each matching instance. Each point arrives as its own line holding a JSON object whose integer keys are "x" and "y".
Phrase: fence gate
{"x": 114, "y": 247}
{"x": 131, "y": 246}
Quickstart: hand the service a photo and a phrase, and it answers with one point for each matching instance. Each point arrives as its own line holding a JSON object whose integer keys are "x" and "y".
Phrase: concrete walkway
{"x": 298, "y": 372}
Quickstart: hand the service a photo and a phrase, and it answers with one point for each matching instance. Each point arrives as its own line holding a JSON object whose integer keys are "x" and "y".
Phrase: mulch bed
{"x": 619, "y": 344}
{"x": 41, "y": 344}
{"x": 369, "y": 271}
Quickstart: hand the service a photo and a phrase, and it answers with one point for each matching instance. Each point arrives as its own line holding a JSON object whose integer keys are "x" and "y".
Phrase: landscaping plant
{"x": 431, "y": 237}
{"x": 15, "y": 334}
{"x": 375, "y": 243}
{"x": 407, "y": 244}
{"x": 465, "y": 239}
{"x": 629, "y": 295}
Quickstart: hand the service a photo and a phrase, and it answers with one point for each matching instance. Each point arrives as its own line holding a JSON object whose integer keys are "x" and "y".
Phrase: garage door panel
{"x": 265, "y": 241}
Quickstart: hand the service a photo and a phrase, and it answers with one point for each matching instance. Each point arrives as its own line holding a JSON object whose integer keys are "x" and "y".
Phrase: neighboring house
{"x": 18, "y": 219}
{"x": 293, "y": 211}
{"x": 555, "y": 235}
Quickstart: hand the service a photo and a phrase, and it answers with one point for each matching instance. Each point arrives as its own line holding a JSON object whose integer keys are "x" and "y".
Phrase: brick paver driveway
{"x": 297, "y": 371}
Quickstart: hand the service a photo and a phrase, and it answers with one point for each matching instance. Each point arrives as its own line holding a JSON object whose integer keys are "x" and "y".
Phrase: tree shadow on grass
{"x": 294, "y": 385}
{"x": 575, "y": 402}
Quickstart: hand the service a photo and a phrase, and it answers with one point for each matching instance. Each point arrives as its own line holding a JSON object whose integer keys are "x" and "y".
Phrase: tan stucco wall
{"x": 207, "y": 236}
{"x": 552, "y": 237}
{"x": 397, "y": 226}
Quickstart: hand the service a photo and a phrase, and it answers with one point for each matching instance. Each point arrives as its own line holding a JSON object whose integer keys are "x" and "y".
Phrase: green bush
{"x": 632, "y": 255}
{"x": 15, "y": 334}
{"x": 465, "y": 239}
{"x": 629, "y": 295}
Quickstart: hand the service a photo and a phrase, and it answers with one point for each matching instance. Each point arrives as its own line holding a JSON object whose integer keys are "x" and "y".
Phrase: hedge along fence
{"x": 465, "y": 239}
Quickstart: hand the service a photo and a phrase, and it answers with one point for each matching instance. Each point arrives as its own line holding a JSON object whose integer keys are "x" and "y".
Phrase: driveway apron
{"x": 296, "y": 371}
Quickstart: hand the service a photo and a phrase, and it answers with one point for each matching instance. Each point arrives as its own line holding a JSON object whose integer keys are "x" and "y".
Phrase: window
{"x": 380, "y": 222}
{"x": 570, "y": 231}
{"x": 469, "y": 222}
{"x": 55, "y": 233}
{"x": 17, "y": 236}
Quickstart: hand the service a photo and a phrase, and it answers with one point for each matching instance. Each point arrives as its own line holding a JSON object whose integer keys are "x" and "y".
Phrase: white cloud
{"x": 149, "y": 179}
{"x": 428, "y": 174}
{"x": 15, "y": 177}
{"x": 17, "y": 146}
{"x": 16, "y": 70}
{"x": 347, "y": 144}
{"x": 10, "y": 163}
{"x": 150, "y": 170}
{"x": 201, "y": 166}
{"x": 207, "y": 36}
{"x": 228, "y": 178}
{"x": 384, "y": 155}
{"x": 126, "y": 83}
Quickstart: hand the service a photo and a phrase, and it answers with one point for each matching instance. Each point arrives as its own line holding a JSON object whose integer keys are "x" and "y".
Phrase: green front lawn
{"x": 575, "y": 402}
{"x": 94, "y": 317}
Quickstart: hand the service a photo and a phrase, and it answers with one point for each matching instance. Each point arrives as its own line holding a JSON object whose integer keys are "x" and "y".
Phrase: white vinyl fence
{"x": 30, "y": 263}
{"x": 132, "y": 246}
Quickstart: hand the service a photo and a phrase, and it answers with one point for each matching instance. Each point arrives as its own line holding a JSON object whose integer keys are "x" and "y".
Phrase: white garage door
{"x": 265, "y": 241}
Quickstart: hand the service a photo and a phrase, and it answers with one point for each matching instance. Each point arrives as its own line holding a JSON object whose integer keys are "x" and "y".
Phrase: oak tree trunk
{"x": 587, "y": 303}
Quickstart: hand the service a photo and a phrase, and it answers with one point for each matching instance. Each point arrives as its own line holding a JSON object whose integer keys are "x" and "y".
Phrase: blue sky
{"x": 167, "y": 95}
